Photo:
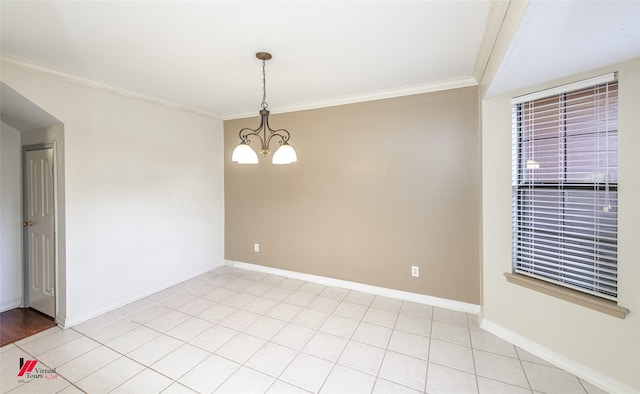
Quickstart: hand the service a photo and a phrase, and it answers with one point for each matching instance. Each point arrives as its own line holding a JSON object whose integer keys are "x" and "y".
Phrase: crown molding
{"x": 448, "y": 84}
{"x": 23, "y": 65}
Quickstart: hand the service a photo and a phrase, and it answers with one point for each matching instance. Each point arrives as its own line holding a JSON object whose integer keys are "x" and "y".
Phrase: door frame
{"x": 25, "y": 238}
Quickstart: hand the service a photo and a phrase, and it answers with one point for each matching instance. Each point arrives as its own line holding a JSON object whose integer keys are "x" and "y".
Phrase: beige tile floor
{"x": 237, "y": 331}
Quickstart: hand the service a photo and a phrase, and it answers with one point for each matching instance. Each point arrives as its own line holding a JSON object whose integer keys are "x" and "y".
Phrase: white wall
{"x": 143, "y": 192}
{"x": 596, "y": 346}
{"x": 10, "y": 218}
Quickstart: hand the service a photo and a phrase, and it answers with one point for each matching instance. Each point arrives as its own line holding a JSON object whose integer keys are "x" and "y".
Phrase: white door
{"x": 39, "y": 225}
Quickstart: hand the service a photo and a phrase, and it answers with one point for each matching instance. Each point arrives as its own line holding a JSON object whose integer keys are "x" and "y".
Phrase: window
{"x": 565, "y": 186}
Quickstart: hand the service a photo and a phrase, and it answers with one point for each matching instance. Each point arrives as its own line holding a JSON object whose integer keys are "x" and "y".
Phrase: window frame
{"x": 546, "y": 285}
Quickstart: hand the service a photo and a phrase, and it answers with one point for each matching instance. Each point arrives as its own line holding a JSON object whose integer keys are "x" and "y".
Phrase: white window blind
{"x": 565, "y": 188}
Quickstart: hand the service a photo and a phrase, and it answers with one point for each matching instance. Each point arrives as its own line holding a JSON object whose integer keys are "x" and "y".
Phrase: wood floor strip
{"x": 20, "y": 323}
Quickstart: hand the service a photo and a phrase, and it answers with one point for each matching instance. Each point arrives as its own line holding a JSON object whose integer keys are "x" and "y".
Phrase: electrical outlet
{"x": 256, "y": 248}
{"x": 415, "y": 271}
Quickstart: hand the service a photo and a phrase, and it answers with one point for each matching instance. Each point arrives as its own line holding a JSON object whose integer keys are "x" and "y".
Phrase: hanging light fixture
{"x": 243, "y": 154}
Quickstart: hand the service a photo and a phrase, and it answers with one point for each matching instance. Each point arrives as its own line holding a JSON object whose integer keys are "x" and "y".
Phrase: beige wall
{"x": 378, "y": 187}
{"x": 597, "y": 346}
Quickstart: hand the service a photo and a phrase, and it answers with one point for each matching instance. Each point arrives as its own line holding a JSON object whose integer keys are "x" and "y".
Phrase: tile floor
{"x": 237, "y": 331}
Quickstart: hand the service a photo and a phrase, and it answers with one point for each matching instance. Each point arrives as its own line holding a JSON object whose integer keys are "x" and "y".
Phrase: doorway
{"x": 39, "y": 228}
{"x": 26, "y": 126}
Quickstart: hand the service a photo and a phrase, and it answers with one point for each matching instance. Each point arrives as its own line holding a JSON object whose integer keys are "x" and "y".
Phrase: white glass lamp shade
{"x": 243, "y": 154}
{"x": 285, "y": 155}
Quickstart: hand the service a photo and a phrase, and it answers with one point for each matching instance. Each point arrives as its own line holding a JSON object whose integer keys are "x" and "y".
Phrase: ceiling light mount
{"x": 243, "y": 154}
{"x": 264, "y": 56}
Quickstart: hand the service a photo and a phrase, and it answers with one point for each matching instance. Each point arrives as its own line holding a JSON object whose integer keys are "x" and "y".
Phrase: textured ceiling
{"x": 200, "y": 55}
{"x": 557, "y": 39}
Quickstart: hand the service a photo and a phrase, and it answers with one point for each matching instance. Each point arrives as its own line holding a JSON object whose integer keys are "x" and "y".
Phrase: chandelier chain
{"x": 264, "y": 104}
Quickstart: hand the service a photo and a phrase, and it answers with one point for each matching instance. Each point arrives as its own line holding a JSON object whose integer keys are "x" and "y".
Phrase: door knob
{"x": 27, "y": 223}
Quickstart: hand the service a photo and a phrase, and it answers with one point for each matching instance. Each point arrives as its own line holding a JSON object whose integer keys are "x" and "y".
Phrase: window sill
{"x": 586, "y": 300}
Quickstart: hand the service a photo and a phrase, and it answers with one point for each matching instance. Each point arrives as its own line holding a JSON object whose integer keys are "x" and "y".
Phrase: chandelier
{"x": 243, "y": 154}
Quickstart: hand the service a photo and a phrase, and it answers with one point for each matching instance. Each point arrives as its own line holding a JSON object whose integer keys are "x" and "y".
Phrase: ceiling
{"x": 201, "y": 55}
{"x": 557, "y": 39}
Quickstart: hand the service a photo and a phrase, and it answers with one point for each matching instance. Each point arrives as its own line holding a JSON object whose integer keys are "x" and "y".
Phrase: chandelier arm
{"x": 256, "y": 131}
{"x": 282, "y": 133}
{"x": 244, "y": 136}
{"x": 283, "y": 137}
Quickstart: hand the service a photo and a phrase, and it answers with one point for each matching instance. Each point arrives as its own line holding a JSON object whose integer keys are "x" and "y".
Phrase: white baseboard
{"x": 597, "y": 379}
{"x": 381, "y": 291}
{"x": 10, "y": 304}
{"x": 70, "y": 322}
